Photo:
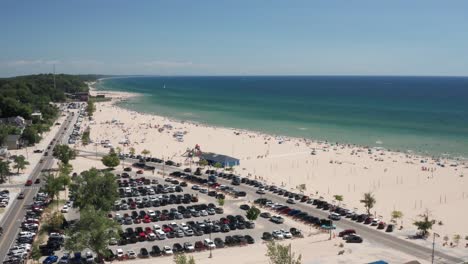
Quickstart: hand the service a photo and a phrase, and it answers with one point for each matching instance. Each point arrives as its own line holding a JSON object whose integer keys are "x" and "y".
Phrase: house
{"x": 13, "y": 141}
{"x": 37, "y": 115}
{"x": 17, "y": 121}
{"x": 4, "y": 153}
{"x": 225, "y": 161}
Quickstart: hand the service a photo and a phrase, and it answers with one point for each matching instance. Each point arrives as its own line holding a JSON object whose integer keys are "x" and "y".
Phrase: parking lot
{"x": 202, "y": 215}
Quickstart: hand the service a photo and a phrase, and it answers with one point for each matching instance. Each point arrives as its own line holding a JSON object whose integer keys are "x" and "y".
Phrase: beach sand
{"x": 399, "y": 181}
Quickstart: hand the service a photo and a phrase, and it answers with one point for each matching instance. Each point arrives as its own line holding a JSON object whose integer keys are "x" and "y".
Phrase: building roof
{"x": 218, "y": 158}
{"x": 12, "y": 138}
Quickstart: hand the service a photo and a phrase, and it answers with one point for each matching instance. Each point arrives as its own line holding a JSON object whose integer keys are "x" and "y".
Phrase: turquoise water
{"x": 427, "y": 115}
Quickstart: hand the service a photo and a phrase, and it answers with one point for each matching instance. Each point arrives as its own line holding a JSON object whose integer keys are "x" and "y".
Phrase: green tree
{"x": 64, "y": 153}
{"x": 218, "y": 165}
{"x": 4, "y": 170}
{"x": 111, "y": 160}
{"x": 55, "y": 222}
{"x": 90, "y": 108}
{"x": 52, "y": 186}
{"x": 182, "y": 259}
{"x": 36, "y": 252}
{"x": 425, "y": 223}
{"x": 281, "y": 254}
{"x": 396, "y": 215}
{"x": 145, "y": 152}
{"x": 65, "y": 169}
{"x": 368, "y": 201}
{"x": 132, "y": 151}
{"x": 95, "y": 188}
{"x": 221, "y": 202}
{"x": 339, "y": 198}
{"x": 203, "y": 162}
{"x": 93, "y": 231}
{"x": 85, "y": 138}
{"x": 31, "y": 135}
{"x": 253, "y": 213}
{"x": 20, "y": 163}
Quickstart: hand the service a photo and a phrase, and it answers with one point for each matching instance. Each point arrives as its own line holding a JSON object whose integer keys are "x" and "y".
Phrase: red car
{"x": 346, "y": 232}
{"x": 28, "y": 183}
{"x": 148, "y": 230}
{"x": 139, "y": 172}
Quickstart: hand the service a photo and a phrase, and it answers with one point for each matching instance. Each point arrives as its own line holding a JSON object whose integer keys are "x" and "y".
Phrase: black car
{"x": 219, "y": 243}
{"x": 249, "y": 239}
{"x": 244, "y": 207}
{"x": 389, "y": 228}
{"x": 128, "y": 169}
{"x": 177, "y": 248}
{"x": 144, "y": 253}
{"x": 267, "y": 236}
{"x": 155, "y": 251}
{"x": 353, "y": 239}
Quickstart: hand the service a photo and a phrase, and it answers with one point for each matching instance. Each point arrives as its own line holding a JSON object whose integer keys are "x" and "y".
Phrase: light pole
{"x": 433, "y": 245}
{"x": 211, "y": 254}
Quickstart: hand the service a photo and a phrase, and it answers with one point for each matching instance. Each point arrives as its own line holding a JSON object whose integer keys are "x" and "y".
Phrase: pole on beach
{"x": 433, "y": 245}
{"x": 211, "y": 254}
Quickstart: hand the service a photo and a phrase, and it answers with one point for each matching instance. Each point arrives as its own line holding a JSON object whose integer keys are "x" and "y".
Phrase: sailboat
{"x": 164, "y": 86}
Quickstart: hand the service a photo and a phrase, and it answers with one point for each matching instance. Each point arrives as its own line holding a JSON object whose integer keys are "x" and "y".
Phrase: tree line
{"x": 22, "y": 95}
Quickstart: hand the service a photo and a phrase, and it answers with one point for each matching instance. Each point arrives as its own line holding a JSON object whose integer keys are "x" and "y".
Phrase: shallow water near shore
{"x": 427, "y": 115}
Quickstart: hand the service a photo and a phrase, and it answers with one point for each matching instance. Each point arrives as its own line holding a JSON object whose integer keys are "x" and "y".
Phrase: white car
{"x": 184, "y": 226}
{"x": 203, "y": 213}
{"x": 167, "y": 250}
{"x": 286, "y": 234}
{"x": 156, "y": 228}
{"x": 261, "y": 191}
{"x": 334, "y": 216}
{"x": 119, "y": 252}
{"x": 195, "y": 187}
{"x": 189, "y": 246}
{"x": 151, "y": 237}
{"x": 277, "y": 234}
{"x": 131, "y": 254}
{"x": 208, "y": 243}
{"x": 65, "y": 209}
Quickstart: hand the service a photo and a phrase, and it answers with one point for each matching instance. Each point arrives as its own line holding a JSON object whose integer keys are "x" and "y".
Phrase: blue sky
{"x": 397, "y": 37}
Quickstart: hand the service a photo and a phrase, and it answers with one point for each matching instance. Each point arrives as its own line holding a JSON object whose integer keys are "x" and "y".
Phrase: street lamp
{"x": 211, "y": 254}
{"x": 433, "y": 245}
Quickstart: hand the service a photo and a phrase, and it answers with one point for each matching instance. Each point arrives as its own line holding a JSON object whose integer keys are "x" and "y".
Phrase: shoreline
{"x": 461, "y": 160}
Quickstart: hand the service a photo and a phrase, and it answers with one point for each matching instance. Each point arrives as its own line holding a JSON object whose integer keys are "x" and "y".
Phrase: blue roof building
{"x": 225, "y": 161}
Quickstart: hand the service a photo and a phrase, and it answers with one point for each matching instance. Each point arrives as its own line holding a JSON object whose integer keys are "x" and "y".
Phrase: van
{"x": 160, "y": 234}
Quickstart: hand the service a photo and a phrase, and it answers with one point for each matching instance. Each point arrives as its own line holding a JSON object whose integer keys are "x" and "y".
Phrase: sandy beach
{"x": 399, "y": 181}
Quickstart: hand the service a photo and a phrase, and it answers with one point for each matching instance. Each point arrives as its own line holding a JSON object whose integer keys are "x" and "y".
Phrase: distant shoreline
{"x": 120, "y": 103}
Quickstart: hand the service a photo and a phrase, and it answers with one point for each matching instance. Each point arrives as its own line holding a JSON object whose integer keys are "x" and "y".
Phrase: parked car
{"x": 144, "y": 253}
{"x": 354, "y": 239}
{"x": 167, "y": 250}
{"x": 50, "y": 259}
{"x": 389, "y": 228}
{"x": 346, "y": 232}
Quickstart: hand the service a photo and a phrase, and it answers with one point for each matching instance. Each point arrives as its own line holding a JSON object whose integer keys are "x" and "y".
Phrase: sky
{"x": 239, "y": 37}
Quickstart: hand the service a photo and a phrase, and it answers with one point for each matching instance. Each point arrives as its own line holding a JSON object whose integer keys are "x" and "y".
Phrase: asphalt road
{"x": 11, "y": 222}
{"x": 368, "y": 233}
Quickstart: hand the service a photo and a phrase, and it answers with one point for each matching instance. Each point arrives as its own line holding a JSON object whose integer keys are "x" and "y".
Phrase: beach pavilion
{"x": 226, "y": 161}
